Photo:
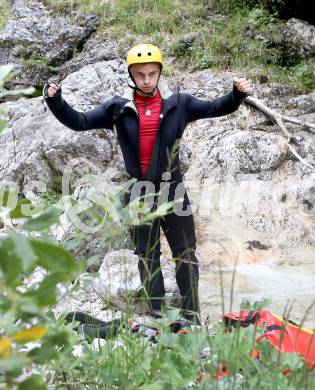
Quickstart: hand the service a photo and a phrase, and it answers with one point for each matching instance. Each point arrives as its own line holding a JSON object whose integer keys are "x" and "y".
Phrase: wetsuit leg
{"x": 147, "y": 242}
{"x": 146, "y": 239}
{"x": 180, "y": 234}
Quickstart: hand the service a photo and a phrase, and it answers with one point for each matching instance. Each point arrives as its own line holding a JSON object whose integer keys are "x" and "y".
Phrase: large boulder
{"x": 297, "y": 41}
{"x": 37, "y": 147}
{"x": 119, "y": 275}
{"x": 294, "y": 41}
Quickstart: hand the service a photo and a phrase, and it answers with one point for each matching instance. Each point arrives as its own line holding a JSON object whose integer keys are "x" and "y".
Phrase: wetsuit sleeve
{"x": 226, "y": 104}
{"x": 99, "y": 118}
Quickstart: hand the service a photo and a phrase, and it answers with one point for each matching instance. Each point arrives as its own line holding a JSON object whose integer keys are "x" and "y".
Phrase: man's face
{"x": 146, "y": 75}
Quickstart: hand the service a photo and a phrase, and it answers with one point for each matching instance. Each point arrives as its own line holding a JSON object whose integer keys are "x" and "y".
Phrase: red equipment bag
{"x": 283, "y": 334}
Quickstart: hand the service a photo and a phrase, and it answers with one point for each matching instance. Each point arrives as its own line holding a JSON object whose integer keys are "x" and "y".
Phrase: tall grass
{"x": 4, "y": 13}
{"x": 219, "y": 35}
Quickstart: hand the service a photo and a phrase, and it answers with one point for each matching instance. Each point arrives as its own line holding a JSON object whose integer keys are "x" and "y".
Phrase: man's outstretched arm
{"x": 226, "y": 104}
{"x": 98, "y": 118}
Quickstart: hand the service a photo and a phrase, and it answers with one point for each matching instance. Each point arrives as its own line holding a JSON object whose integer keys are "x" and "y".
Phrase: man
{"x": 150, "y": 121}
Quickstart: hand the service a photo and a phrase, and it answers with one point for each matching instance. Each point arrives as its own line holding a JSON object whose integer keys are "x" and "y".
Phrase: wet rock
{"x": 118, "y": 274}
{"x": 105, "y": 294}
{"x": 74, "y": 297}
{"x": 244, "y": 176}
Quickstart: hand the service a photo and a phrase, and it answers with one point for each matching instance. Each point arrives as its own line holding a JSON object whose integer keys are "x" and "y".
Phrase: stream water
{"x": 291, "y": 288}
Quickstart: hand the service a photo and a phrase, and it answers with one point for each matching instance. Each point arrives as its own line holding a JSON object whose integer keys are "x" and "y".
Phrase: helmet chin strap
{"x": 136, "y": 88}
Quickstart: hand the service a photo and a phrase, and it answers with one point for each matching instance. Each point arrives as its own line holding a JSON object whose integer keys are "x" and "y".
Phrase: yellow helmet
{"x": 143, "y": 53}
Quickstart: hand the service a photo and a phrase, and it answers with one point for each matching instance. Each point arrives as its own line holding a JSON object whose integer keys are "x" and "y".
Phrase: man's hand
{"x": 52, "y": 89}
{"x": 243, "y": 85}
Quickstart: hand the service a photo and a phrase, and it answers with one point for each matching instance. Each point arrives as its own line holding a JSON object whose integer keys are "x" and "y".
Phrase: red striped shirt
{"x": 149, "y": 110}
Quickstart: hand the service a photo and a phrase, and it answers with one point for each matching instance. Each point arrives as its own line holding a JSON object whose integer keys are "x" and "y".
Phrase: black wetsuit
{"x": 178, "y": 110}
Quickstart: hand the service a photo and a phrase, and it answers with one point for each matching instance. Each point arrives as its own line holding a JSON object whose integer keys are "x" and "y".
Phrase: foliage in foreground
{"x": 38, "y": 351}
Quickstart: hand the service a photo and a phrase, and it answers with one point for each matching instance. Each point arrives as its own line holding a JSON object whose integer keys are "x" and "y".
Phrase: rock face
{"x": 39, "y": 42}
{"x": 95, "y": 49}
{"x": 239, "y": 165}
{"x": 245, "y": 183}
{"x": 305, "y": 103}
{"x": 236, "y": 153}
{"x": 37, "y": 147}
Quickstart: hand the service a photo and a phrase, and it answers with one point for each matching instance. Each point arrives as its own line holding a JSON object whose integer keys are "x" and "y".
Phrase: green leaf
{"x": 43, "y": 221}
{"x": 172, "y": 372}
{"x": 169, "y": 340}
{"x": 4, "y": 198}
{"x": 72, "y": 244}
{"x": 27, "y": 307}
{"x": 13, "y": 363}
{"x": 291, "y": 361}
{"x": 43, "y": 354}
{"x": 50, "y": 347}
{"x": 35, "y": 382}
{"x": 45, "y": 294}
{"x": 16, "y": 256}
{"x": 59, "y": 339}
{"x": 171, "y": 315}
{"x": 93, "y": 260}
{"x": 2, "y": 125}
{"x": 24, "y": 251}
{"x": 55, "y": 258}
{"x": 17, "y": 213}
{"x": 10, "y": 262}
